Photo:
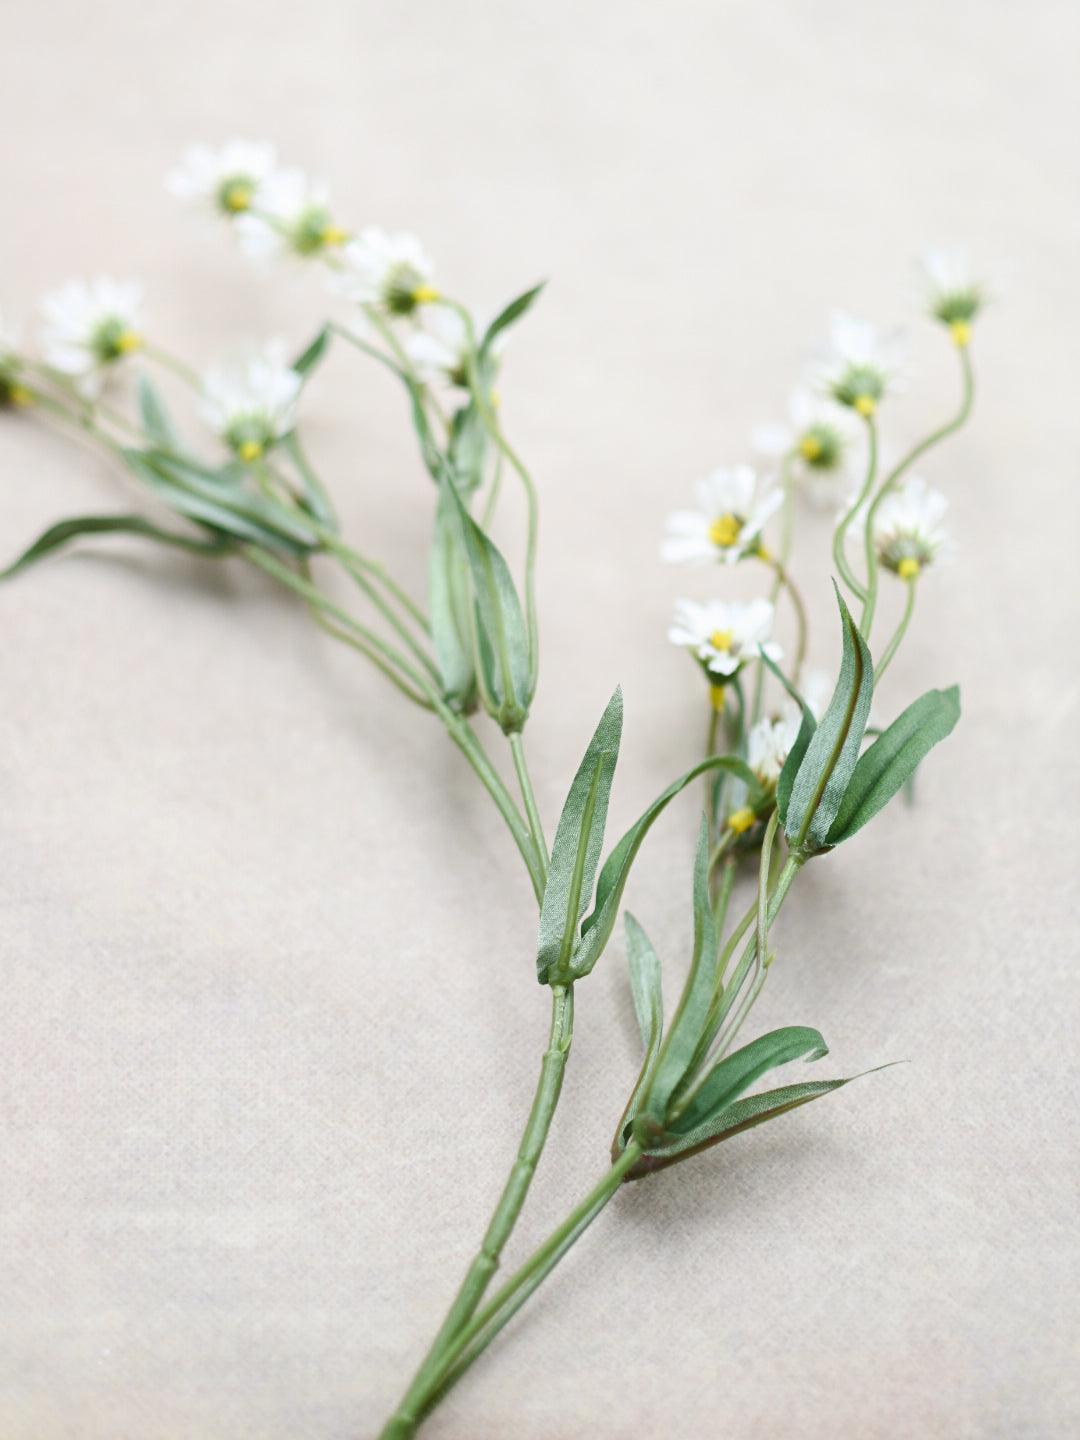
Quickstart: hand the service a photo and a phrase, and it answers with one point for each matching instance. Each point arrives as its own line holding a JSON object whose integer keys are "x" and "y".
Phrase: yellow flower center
{"x": 960, "y": 331}
{"x": 908, "y": 568}
{"x": 237, "y": 197}
{"x": 425, "y": 295}
{"x": 721, "y": 640}
{"x": 741, "y": 820}
{"x": 20, "y": 395}
{"x": 865, "y": 405}
{"x": 810, "y": 447}
{"x": 716, "y": 697}
{"x": 250, "y": 450}
{"x": 725, "y": 531}
{"x": 127, "y": 341}
{"x": 333, "y": 235}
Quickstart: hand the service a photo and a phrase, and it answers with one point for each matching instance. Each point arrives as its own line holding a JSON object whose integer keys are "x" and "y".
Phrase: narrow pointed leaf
{"x": 892, "y": 759}
{"x": 65, "y": 531}
{"x": 596, "y": 928}
{"x": 311, "y": 356}
{"x": 795, "y": 755}
{"x": 575, "y": 851}
{"x": 154, "y": 417}
{"x": 645, "y": 983}
{"x": 502, "y": 635}
{"x": 737, "y": 1072}
{"x": 507, "y": 317}
{"x": 682, "y": 1037}
{"x": 450, "y": 599}
{"x": 467, "y": 448}
{"x": 833, "y": 751}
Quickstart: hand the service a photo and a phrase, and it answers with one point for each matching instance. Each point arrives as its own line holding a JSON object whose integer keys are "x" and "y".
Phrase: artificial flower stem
{"x": 787, "y": 531}
{"x": 528, "y": 795}
{"x": 474, "y": 1339}
{"x": 784, "y": 581}
{"x": 840, "y": 533}
{"x": 504, "y": 1217}
{"x": 943, "y": 432}
{"x": 898, "y": 634}
{"x": 171, "y": 362}
{"x": 356, "y": 573}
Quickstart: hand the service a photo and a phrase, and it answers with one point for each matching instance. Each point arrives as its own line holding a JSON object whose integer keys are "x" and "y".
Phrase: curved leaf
{"x": 449, "y": 597}
{"x": 893, "y": 758}
{"x": 507, "y": 317}
{"x": 596, "y": 928}
{"x": 155, "y": 419}
{"x": 67, "y": 530}
{"x": 833, "y": 751}
{"x": 575, "y": 851}
{"x": 737, "y": 1072}
{"x": 795, "y": 755}
{"x": 312, "y": 354}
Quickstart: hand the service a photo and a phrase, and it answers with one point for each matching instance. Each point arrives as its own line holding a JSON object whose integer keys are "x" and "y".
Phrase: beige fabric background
{"x": 269, "y": 1026}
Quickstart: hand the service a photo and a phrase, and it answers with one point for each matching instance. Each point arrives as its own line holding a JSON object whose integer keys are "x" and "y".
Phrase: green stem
{"x": 943, "y": 432}
{"x": 840, "y": 533}
{"x": 474, "y": 1339}
{"x": 517, "y": 749}
{"x": 171, "y": 362}
{"x": 784, "y": 580}
{"x": 787, "y": 526}
{"x": 898, "y": 634}
{"x": 486, "y": 1261}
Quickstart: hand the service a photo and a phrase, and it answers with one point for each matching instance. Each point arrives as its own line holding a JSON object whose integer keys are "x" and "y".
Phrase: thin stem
{"x": 356, "y": 571}
{"x": 783, "y": 580}
{"x": 478, "y": 1335}
{"x": 898, "y": 634}
{"x": 171, "y": 362}
{"x": 517, "y": 749}
{"x": 840, "y": 533}
{"x": 935, "y": 437}
{"x": 486, "y": 1261}
{"x": 787, "y": 527}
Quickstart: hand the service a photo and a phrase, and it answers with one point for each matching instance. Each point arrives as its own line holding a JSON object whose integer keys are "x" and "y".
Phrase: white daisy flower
{"x": 862, "y": 364}
{"x": 819, "y": 434}
{"x": 252, "y": 403}
{"x": 724, "y": 635}
{"x": 952, "y": 294}
{"x": 388, "y": 270}
{"x": 908, "y": 533}
{"x": 728, "y": 523}
{"x": 89, "y": 326}
{"x": 292, "y": 218}
{"x": 769, "y": 743}
{"x": 228, "y": 180}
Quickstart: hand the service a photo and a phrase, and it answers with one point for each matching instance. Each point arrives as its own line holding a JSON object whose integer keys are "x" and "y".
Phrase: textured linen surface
{"x": 269, "y": 1027}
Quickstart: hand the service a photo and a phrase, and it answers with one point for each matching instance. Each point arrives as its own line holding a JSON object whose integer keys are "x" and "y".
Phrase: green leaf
{"x": 313, "y": 354}
{"x": 795, "y": 755}
{"x": 686, "y": 1027}
{"x": 727, "y": 1080}
{"x": 596, "y": 928}
{"x": 316, "y": 500}
{"x": 501, "y": 633}
{"x": 575, "y": 852}
{"x": 742, "y": 1115}
{"x": 507, "y": 317}
{"x": 67, "y": 530}
{"x": 220, "y": 501}
{"x": 155, "y": 420}
{"x": 645, "y": 984}
{"x": 892, "y": 759}
{"x": 467, "y": 448}
{"x": 450, "y": 599}
{"x": 833, "y": 751}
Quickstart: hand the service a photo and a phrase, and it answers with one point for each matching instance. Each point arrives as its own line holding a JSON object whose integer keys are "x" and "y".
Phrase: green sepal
{"x": 575, "y": 851}
{"x": 450, "y": 598}
{"x": 596, "y": 928}
{"x": 506, "y": 317}
{"x": 727, "y": 1080}
{"x": 892, "y": 759}
{"x": 833, "y": 750}
{"x": 155, "y": 419}
{"x": 65, "y": 531}
{"x": 502, "y": 639}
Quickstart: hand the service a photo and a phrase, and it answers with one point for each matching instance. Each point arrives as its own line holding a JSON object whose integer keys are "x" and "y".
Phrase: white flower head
{"x": 769, "y": 743}
{"x": 251, "y": 403}
{"x": 908, "y": 533}
{"x": 724, "y": 635}
{"x": 818, "y": 435}
{"x": 728, "y": 523}
{"x": 439, "y": 351}
{"x": 861, "y": 364}
{"x": 293, "y": 218}
{"x": 951, "y": 292}
{"x": 392, "y": 271}
{"x": 89, "y": 326}
{"x": 228, "y": 180}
